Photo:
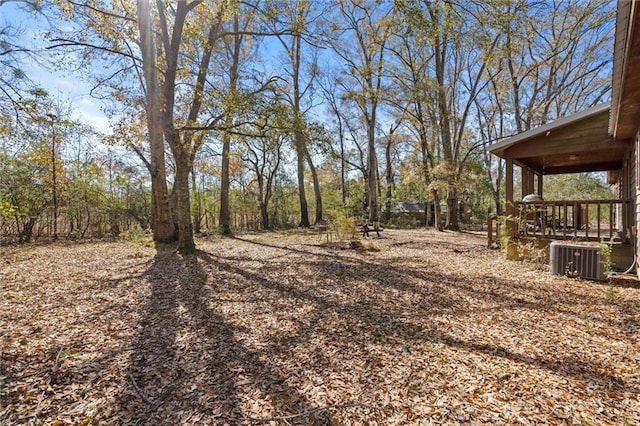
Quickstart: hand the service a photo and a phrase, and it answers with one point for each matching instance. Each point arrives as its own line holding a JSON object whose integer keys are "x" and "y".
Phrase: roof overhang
{"x": 625, "y": 97}
{"x": 577, "y": 143}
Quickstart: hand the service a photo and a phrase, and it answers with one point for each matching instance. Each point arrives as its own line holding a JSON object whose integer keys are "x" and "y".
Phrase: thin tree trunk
{"x": 343, "y": 166}
{"x": 54, "y": 183}
{"x": 299, "y": 136}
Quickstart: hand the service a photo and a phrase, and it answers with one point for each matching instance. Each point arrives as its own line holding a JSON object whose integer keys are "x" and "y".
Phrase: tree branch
{"x": 62, "y": 42}
{"x": 103, "y": 12}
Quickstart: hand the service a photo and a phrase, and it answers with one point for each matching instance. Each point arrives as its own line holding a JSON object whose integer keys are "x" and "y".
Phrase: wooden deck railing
{"x": 574, "y": 219}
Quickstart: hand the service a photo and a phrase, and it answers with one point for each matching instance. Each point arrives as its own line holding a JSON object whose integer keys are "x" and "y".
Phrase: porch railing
{"x": 575, "y": 219}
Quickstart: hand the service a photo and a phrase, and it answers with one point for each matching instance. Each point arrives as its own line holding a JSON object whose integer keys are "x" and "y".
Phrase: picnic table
{"x": 365, "y": 228}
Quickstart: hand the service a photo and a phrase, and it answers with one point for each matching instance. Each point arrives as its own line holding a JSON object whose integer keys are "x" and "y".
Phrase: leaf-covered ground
{"x": 418, "y": 327}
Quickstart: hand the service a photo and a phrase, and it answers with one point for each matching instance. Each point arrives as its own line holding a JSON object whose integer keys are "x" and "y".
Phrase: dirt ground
{"x": 414, "y": 328}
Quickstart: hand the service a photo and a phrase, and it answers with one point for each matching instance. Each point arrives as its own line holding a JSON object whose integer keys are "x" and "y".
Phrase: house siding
{"x": 626, "y": 188}
{"x": 635, "y": 190}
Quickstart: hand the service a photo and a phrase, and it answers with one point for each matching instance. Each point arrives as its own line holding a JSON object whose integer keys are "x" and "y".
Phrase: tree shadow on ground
{"x": 186, "y": 365}
{"x": 190, "y": 361}
{"x": 399, "y": 327}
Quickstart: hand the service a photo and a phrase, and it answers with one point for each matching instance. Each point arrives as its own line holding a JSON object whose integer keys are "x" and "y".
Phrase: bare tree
{"x": 361, "y": 34}
{"x": 293, "y": 21}
{"x": 263, "y": 153}
{"x": 552, "y": 59}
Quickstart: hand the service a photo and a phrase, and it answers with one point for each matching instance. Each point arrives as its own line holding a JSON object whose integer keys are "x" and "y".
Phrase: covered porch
{"x": 574, "y": 144}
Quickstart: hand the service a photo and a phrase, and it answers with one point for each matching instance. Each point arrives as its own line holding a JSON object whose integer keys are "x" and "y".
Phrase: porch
{"x": 579, "y": 220}
{"x": 582, "y": 221}
{"x": 574, "y": 144}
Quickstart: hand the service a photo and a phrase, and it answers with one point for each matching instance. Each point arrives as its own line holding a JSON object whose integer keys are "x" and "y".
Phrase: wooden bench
{"x": 365, "y": 228}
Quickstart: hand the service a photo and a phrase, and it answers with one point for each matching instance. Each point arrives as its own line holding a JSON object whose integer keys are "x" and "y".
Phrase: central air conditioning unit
{"x": 576, "y": 260}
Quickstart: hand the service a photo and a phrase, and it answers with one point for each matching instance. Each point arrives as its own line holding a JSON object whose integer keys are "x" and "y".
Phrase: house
{"x": 409, "y": 214}
{"x": 602, "y": 138}
{"x": 416, "y": 214}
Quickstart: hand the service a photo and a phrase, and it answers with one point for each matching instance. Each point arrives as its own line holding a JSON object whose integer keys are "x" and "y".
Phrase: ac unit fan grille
{"x": 576, "y": 261}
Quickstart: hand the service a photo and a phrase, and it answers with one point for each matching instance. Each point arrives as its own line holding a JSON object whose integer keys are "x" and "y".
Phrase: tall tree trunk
{"x": 161, "y": 221}
{"x": 444, "y": 114}
{"x": 186, "y": 243}
{"x": 316, "y": 186}
{"x": 372, "y": 172}
{"x": 343, "y": 167}
{"x": 264, "y": 213}
{"x": 389, "y": 183}
{"x": 437, "y": 212}
{"x": 197, "y": 215}
{"x": 225, "y": 181}
{"x": 182, "y": 145}
{"x": 453, "y": 211}
{"x": 54, "y": 182}
{"x": 300, "y": 140}
{"x": 300, "y": 153}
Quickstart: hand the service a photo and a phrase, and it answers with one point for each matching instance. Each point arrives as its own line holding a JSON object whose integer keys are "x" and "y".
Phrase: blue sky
{"x": 59, "y": 84}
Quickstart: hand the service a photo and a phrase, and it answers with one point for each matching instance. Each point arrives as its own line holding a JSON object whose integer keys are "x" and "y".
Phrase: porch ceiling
{"x": 578, "y": 143}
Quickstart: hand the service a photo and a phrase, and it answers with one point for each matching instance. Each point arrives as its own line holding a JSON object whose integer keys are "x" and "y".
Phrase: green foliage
{"x": 95, "y": 194}
{"x": 134, "y": 235}
{"x": 7, "y": 209}
{"x": 475, "y": 191}
{"x": 22, "y": 194}
{"x": 605, "y": 254}
{"x": 342, "y": 224}
{"x": 531, "y": 252}
{"x": 472, "y": 41}
{"x": 584, "y": 186}
{"x": 355, "y": 196}
{"x": 284, "y": 206}
{"x": 610, "y": 295}
{"x": 504, "y": 239}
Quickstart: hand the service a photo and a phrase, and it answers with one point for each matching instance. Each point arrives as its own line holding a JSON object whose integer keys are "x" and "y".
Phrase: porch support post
{"x": 532, "y": 181}
{"x": 510, "y": 210}
{"x": 528, "y": 181}
{"x": 540, "y": 180}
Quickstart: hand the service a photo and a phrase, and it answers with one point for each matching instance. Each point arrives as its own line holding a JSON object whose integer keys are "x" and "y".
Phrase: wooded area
{"x": 227, "y": 115}
{"x": 138, "y": 284}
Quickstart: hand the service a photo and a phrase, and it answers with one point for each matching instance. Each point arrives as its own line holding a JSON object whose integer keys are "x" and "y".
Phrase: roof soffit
{"x": 625, "y": 110}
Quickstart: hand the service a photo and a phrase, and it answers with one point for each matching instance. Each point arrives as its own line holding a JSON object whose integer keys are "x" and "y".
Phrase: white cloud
{"x": 97, "y": 121}
{"x": 65, "y": 83}
{"x": 89, "y": 111}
